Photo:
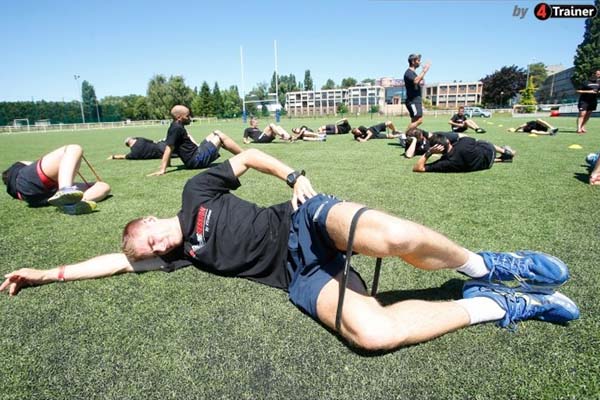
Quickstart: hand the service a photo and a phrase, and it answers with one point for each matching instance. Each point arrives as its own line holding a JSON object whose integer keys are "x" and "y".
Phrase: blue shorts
{"x": 313, "y": 259}
{"x": 206, "y": 153}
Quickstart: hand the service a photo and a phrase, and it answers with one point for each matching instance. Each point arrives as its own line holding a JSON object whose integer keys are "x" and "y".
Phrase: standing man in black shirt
{"x": 253, "y": 134}
{"x": 460, "y": 122}
{"x": 588, "y": 100}
{"x": 465, "y": 155}
{"x": 413, "y": 83}
{"x": 300, "y": 246}
{"x": 192, "y": 155}
{"x": 142, "y": 149}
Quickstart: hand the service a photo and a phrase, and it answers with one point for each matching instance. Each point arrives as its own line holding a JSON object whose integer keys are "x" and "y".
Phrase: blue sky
{"x": 119, "y": 45}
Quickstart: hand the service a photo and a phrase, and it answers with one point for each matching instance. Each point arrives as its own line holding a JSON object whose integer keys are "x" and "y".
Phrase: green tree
{"x": 308, "y": 82}
{"x": 160, "y": 100}
{"x": 348, "y": 82}
{"x": 232, "y": 103}
{"x": 329, "y": 84}
{"x": 180, "y": 92}
{"x": 88, "y": 96}
{"x": 202, "y": 106}
{"x": 342, "y": 108}
{"x": 587, "y": 56}
{"x": 217, "y": 100}
{"x": 503, "y": 85}
{"x": 528, "y": 97}
{"x": 538, "y": 73}
{"x": 368, "y": 80}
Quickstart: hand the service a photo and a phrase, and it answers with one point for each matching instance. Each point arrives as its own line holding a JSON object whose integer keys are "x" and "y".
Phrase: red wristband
{"x": 61, "y": 273}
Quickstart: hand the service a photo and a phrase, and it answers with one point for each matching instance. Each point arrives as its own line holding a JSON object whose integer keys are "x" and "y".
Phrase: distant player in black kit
{"x": 192, "y": 155}
{"x": 142, "y": 149}
{"x": 465, "y": 155}
{"x": 539, "y": 127}
{"x": 412, "y": 82}
{"x": 417, "y": 141}
{"x": 340, "y": 127}
{"x": 362, "y": 133}
{"x": 588, "y": 101}
{"x": 460, "y": 122}
{"x": 253, "y": 134}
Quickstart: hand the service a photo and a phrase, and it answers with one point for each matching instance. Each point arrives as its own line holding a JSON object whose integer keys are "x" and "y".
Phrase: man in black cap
{"x": 412, "y": 82}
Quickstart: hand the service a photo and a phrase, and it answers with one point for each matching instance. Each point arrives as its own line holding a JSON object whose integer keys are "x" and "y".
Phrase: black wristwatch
{"x": 293, "y": 177}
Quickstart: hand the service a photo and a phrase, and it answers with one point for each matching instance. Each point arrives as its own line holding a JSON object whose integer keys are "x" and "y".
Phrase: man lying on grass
{"x": 299, "y": 246}
{"x": 50, "y": 181}
{"x": 142, "y": 149}
{"x": 464, "y": 155}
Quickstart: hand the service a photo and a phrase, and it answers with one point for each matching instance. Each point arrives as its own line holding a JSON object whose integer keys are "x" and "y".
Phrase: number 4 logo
{"x": 542, "y": 11}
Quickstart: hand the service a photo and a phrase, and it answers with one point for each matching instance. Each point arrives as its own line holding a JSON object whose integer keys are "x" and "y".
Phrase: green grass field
{"x": 190, "y": 335}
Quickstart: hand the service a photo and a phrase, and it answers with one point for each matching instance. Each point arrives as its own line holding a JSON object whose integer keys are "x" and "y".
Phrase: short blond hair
{"x": 130, "y": 233}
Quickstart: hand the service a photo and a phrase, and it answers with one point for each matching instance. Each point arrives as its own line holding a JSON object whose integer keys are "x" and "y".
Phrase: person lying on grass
{"x": 340, "y": 127}
{"x": 539, "y": 127}
{"x": 593, "y": 161}
{"x": 299, "y": 246}
{"x": 379, "y": 131}
{"x": 142, "y": 149}
{"x": 253, "y": 134}
{"x": 50, "y": 181}
{"x": 417, "y": 141}
{"x": 192, "y": 155}
{"x": 465, "y": 155}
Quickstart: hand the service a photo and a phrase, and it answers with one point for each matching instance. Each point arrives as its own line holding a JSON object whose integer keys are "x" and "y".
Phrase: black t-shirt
{"x": 458, "y": 119}
{"x": 466, "y": 155}
{"x": 363, "y": 132}
{"x": 144, "y": 149}
{"x": 226, "y": 235}
{"x": 534, "y": 126}
{"x": 254, "y": 133}
{"x": 178, "y": 138}
{"x": 590, "y": 97}
{"x": 344, "y": 127}
{"x": 413, "y": 90}
{"x": 13, "y": 172}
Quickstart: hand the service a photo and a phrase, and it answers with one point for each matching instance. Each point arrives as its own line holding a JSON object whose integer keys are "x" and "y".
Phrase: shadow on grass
{"x": 450, "y": 290}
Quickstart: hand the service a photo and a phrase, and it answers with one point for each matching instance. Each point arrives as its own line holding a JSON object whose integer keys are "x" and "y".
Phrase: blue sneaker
{"x": 79, "y": 208}
{"x": 531, "y": 269}
{"x": 550, "y": 307}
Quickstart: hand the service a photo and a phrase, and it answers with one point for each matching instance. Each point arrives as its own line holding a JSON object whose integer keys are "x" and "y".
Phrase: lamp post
{"x": 97, "y": 112}
{"x": 81, "y": 97}
{"x": 501, "y": 98}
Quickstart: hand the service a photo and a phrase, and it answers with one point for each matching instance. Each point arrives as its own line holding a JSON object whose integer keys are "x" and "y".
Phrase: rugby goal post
{"x": 20, "y": 122}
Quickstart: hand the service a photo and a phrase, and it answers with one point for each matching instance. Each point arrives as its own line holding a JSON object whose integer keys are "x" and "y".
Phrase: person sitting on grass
{"x": 253, "y": 134}
{"x": 379, "y": 131}
{"x": 417, "y": 141}
{"x": 300, "y": 246}
{"x": 50, "y": 181}
{"x": 192, "y": 155}
{"x": 539, "y": 127}
{"x": 307, "y": 134}
{"x": 460, "y": 122}
{"x": 593, "y": 161}
{"x": 142, "y": 149}
{"x": 465, "y": 155}
{"x": 339, "y": 128}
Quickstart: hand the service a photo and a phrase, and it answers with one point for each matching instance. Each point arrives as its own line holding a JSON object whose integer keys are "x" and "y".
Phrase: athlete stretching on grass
{"x": 593, "y": 161}
{"x": 299, "y": 246}
{"x": 50, "y": 181}
{"x": 193, "y": 155}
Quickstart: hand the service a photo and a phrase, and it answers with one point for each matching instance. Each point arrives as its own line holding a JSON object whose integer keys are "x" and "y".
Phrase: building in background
{"x": 454, "y": 94}
{"x": 558, "y": 88}
{"x": 358, "y": 99}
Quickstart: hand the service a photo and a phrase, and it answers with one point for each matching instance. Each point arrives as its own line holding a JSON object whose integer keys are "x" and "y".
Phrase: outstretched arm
{"x": 164, "y": 162}
{"x": 267, "y": 164}
{"x": 410, "y": 152}
{"x": 97, "y": 267}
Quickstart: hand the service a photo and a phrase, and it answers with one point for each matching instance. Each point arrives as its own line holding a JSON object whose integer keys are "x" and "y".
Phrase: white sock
{"x": 481, "y": 309}
{"x": 474, "y": 267}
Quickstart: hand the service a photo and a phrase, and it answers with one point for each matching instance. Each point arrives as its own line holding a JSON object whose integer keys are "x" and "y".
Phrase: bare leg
{"x": 62, "y": 164}
{"x": 595, "y": 175}
{"x": 280, "y": 132}
{"x": 218, "y": 138}
{"x": 97, "y": 192}
{"x": 581, "y": 121}
{"x": 586, "y": 117}
{"x": 368, "y": 325}
{"x": 472, "y": 124}
{"x": 415, "y": 122}
{"x": 381, "y": 235}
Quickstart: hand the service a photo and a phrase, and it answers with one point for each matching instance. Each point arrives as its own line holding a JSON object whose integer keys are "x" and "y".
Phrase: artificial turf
{"x": 188, "y": 334}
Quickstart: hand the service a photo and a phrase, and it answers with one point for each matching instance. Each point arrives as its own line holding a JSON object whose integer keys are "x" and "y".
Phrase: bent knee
{"x": 376, "y": 334}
